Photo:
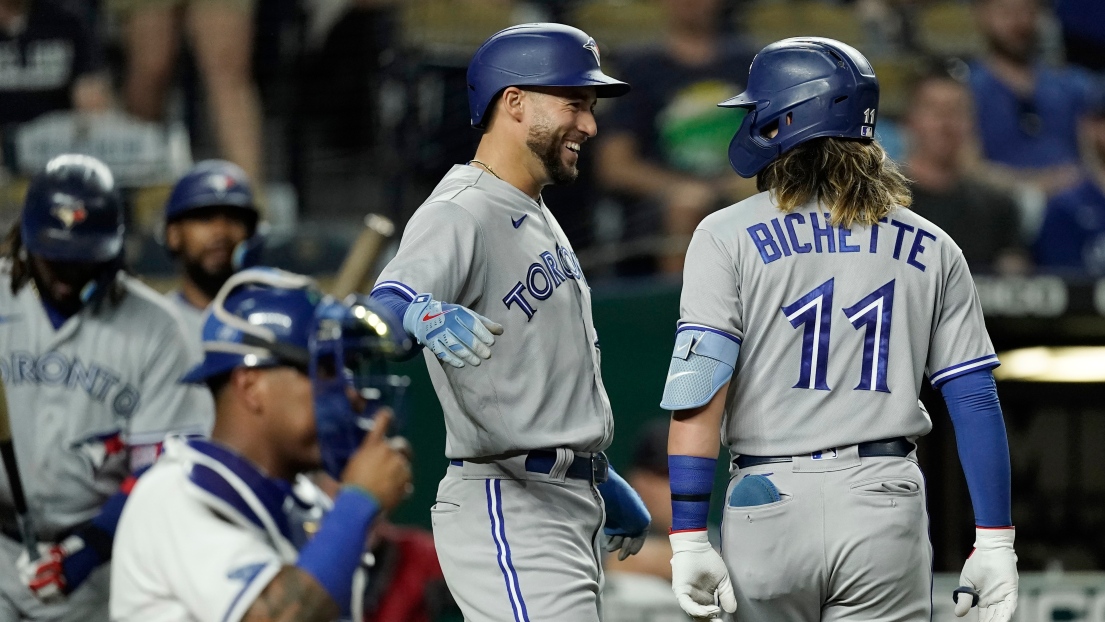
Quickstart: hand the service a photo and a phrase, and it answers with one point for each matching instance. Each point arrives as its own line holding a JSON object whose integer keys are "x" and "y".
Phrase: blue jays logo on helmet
{"x": 220, "y": 183}
{"x": 69, "y": 210}
{"x": 72, "y": 212}
{"x": 594, "y": 47}
{"x": 800, "y": 89}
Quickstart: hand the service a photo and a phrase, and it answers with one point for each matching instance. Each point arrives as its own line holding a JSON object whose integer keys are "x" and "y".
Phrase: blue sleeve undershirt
{"x": 972, "y": 401}
{"x": 398, "y": 305}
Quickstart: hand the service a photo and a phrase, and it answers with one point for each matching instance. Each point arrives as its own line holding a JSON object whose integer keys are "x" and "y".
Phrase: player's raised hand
{"x": 991, "y": 571}
{"x": 699, "y": 577}
{"x": 456, "y": 335}
{"x": 381, "y": 465}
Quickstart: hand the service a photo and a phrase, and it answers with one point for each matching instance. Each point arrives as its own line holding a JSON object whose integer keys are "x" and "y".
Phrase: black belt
{"x": 592, "y": 468}
{"x": 893, "y": 447}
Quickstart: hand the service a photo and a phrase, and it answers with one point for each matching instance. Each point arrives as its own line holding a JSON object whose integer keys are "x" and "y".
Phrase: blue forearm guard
{"x": 333, "y": 555}
{"x": 692, "y": 480}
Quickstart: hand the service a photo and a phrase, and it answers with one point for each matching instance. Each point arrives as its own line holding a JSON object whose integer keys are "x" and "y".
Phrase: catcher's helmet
{"x": 264, "y": 317}
{"x": 535, "y": 55}
{"x": 213, "y": 183}
{"x": 72, "y": 212}
{"x": 805, "y": 87}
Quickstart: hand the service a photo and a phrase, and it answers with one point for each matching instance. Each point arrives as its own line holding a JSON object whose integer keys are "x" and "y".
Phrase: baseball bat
{"x": 362, "y": 255}
{"x": 15, "y": 481}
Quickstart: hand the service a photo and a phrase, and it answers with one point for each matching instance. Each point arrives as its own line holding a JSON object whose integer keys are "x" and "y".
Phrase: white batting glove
{"x": 455, "y": 334}
{"x": 45, "y": 576}
{"x": 991, "y": 570}
{"x": 699, "y": 577}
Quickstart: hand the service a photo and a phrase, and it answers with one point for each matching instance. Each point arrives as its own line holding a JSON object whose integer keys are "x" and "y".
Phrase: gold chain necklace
{"x": 489, "y": 169}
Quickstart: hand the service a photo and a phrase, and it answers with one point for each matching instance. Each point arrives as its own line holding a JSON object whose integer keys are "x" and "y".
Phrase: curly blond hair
{"x": 854, "y": 179}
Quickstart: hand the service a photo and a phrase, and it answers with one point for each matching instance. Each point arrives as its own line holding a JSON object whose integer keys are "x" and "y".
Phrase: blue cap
{"x": 535, "y": 55}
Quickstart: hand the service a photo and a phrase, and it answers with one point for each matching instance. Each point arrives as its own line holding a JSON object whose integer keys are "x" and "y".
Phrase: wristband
{"x": 692, "y": 481}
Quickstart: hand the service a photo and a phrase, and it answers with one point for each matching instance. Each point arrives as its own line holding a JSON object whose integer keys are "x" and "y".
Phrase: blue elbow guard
{"x": 701, "y": 363}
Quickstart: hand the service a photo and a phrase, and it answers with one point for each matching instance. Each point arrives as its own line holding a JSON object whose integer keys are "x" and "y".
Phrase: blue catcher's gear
{"x": 263, "y": 317}
{"x": 805, "y": 88}
{"x": 535, "y": 55}
{"x": 72, "y": 212}
{"x": 218, "y": 184}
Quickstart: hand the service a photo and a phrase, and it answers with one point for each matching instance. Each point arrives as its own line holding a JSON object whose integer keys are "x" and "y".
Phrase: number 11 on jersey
{"x": 813, "y": 313}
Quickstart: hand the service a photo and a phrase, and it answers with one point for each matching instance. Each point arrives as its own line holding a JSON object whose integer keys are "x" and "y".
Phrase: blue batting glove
{"x": 627, "y": 518}
{"x": 453, "y": 333}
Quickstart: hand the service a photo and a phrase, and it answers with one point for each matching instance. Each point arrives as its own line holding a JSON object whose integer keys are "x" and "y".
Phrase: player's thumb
{"x": 963, "y": 604}
{"x": 725, "y": 596}
{"x": 380, "y": 425}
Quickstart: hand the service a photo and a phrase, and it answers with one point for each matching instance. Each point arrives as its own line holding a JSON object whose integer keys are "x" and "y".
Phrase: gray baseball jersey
{"x": 482, "y": 243}
{"x": 191, "y": 319}
{"x": 83, "y": 395}
{"x": 837, "y": 326}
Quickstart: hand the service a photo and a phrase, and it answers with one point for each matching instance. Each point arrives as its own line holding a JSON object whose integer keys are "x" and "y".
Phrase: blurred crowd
{"x": 994, "y": 107}
{"x": 331, "y": 109}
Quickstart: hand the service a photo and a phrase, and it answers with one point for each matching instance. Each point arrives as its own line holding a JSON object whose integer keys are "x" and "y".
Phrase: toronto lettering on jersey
{"x": 53, "y": 368}
{"x": 542, "y": 279}
{"x": 795, "y": 234}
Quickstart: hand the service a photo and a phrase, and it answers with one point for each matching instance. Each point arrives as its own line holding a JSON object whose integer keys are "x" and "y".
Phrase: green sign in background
{"x": 636, "y": 326}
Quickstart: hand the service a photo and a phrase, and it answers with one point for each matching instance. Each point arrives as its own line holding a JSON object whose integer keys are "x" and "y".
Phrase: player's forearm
{"x": 693, "y": 441}
{"x": 697, "y": 432}
{"x": 983, "y": 447}
{"x": 293, "y": 595}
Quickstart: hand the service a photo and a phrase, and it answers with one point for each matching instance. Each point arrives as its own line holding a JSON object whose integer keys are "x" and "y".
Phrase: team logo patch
{"x": 69, "y": 211}
{"x": 867, "y": 131}
{"x": 594, "y": 48}
{"x": 221, "y": 183}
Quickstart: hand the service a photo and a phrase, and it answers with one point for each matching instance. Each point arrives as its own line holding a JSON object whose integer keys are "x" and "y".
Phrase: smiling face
{"x": 561, "y": 119}
{"x": 204, "y": 241}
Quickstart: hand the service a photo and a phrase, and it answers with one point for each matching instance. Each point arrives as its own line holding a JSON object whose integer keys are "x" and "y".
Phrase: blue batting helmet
{"x": 213, "y": 183}
{"x": 264, "y": 317}
{"x": 805, "y": 88}
{"x": 72, "y": 212}
{"x": 535, "y": 55}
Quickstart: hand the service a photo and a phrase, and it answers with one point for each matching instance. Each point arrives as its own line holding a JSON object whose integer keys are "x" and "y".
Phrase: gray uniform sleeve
{"x": 711, "y": 293}
{"x": 166, "y": 404}
{"x": 442, "y": 254}
{"x": 959, "y": 343}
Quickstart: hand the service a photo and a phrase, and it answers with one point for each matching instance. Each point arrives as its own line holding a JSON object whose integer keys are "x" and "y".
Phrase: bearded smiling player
{"x": 528, "y": 491}
{"x": 210, "y": 226}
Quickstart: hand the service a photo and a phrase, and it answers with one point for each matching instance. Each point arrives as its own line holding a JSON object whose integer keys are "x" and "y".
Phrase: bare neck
{"x": 193, "y": 294}
{"x": 514, "y": 164}
{"x": 1019, "y": 77}
{"x": 932, "y": 174}
{"x": 233, "y": 428}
